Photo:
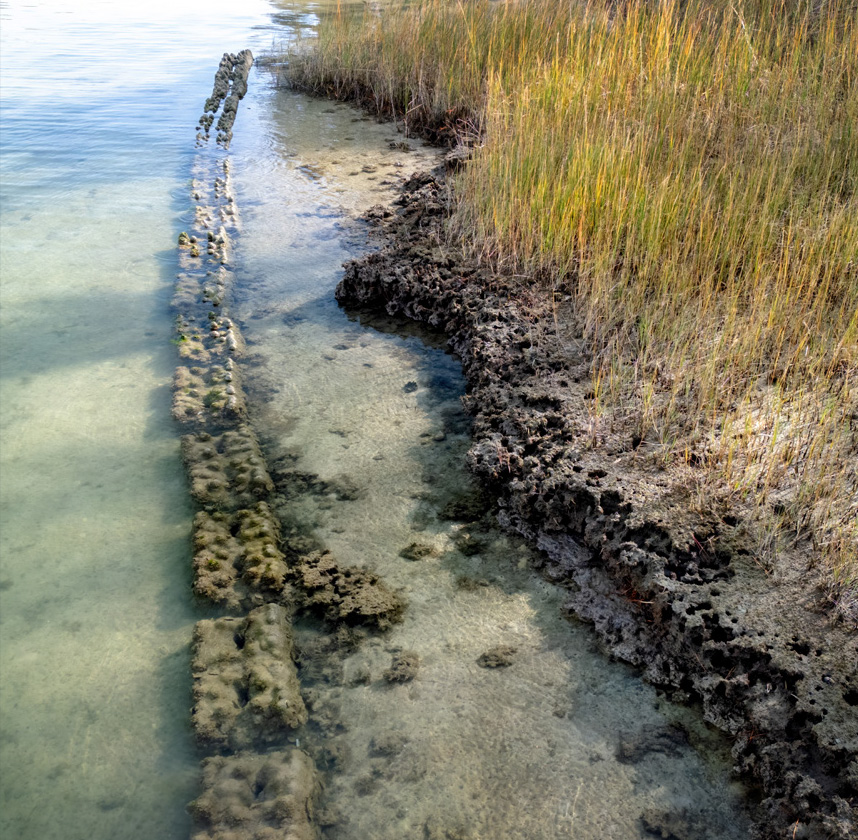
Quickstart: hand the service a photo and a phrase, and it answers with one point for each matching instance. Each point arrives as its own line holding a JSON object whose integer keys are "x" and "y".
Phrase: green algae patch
{"x": 226, "y": 471}
{"x": 237, "y": 559}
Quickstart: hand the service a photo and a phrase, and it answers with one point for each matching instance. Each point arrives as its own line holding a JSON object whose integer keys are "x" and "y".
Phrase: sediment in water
{"x": 673, "y": 591}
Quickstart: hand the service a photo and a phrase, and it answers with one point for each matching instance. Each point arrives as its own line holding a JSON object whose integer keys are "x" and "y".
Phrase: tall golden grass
{"x": 689, "y": 174}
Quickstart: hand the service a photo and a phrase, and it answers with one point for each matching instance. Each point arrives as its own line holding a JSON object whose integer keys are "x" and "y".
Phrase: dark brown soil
{"x": 667, "y": 579}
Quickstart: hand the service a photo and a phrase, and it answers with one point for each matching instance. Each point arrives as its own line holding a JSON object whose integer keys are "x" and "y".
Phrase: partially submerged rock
{"x": 257, "y": 797}
{"x": 404, "y": 666}
{"x": 237, "y": 561}
{"x": 226, "y": 471}
{"x": 349, "y": 595}
{"x": 246, "y": 689}
{"x": 208, "y": 395}
{"x": 418, "y": 551}
{"x": 230, "y": 86}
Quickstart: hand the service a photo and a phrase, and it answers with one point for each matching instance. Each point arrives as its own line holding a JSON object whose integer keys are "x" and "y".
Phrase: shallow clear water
{"x": 99, "y": 104}
{"x": 99, "y": 101}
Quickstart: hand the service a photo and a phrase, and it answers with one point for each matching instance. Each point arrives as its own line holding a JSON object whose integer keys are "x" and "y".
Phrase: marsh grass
{"x": 426, "y": 64}
{"x": 687, "y": 175}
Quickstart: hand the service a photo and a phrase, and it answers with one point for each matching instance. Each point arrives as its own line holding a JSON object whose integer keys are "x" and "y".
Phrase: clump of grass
{"x": 688, "y": 173}
{"x": 693, "y": 180}
{"x": 427, "y": 64}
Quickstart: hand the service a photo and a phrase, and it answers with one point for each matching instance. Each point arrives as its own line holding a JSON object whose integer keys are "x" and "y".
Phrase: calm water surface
{"x": 99, "y": 101}
{"x": 99, "y": 106}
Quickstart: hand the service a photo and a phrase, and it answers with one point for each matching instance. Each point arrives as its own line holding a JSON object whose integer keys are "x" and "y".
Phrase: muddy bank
{"x": 668, "y": 581}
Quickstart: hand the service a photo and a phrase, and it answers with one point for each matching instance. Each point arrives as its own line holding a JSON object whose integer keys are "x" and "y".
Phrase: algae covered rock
{"x": 226, "y": 471}
{"x": 257, "y": 797}
{"x": 246, "y": 689}
{"x": 418, "y": 551}
{"x": 403, "y": 667}
{"x": 237, "y": 561}
{"x": 208, "y": 395}
{"x": 347, "y": 594}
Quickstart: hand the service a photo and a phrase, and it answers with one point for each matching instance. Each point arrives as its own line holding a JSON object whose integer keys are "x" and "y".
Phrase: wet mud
{"x": 669, "y": 587}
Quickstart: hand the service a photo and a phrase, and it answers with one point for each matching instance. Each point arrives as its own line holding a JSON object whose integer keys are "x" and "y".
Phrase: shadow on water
{"x": 64, "y": 329}
{"x": 96, "y": 584}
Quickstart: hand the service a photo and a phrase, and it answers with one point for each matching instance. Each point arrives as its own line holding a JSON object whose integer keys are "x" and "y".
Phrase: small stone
{"x": 500, "y": 656}
{"x": 418, "y": 551}
{"x": 470, "y": 584}
{"x": 403, "y": 667}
